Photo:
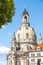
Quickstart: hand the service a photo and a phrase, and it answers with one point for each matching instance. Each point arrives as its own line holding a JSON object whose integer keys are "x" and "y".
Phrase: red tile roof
{"x": 40, "y": 46}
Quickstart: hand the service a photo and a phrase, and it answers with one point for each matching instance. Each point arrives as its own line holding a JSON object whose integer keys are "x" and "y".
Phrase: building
{"x": 24, "y": 47}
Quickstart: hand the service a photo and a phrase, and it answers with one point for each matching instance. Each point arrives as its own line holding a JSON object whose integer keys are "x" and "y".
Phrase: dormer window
{"x": 27, "y": 35}
{"x": 38, "y": 49}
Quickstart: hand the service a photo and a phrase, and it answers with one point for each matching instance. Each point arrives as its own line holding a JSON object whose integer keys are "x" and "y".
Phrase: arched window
{"x": 27, "y": 35}
{"x": 25, "y": 18}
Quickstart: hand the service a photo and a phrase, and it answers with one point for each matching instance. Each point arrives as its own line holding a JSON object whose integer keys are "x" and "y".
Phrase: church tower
{"x": 23, "y": 41}
{"x": 25, "y": 17}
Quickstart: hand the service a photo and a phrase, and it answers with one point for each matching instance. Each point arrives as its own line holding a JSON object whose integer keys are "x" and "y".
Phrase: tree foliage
{"x": 7, "y": 10}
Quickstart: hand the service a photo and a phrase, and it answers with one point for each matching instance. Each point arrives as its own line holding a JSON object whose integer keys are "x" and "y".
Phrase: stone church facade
{"x": 24, "y": 47}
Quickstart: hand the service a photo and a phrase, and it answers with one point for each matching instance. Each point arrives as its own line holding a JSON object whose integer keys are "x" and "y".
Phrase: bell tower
{"x": 25, "y": 17}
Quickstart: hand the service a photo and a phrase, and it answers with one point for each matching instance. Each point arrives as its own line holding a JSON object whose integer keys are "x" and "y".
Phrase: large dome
{"x": 25, "y": 32}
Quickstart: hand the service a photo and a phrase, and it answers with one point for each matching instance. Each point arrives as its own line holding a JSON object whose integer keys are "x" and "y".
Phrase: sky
{"x": 35, "y": 10}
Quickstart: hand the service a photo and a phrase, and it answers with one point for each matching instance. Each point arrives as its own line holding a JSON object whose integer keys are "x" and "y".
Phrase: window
{"x": 32, "y": 54}
{"x": 18, "y": 47}
{"x": 25, "y": 18}
{"x": 28, "y": 47}
{"x": 27, "y": 35}
{"x": 38, "y": 54}
{"x": 32, "y": 60}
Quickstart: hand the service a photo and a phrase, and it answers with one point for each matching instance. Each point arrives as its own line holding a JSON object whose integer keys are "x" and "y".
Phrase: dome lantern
{"x": 25, "y": 16}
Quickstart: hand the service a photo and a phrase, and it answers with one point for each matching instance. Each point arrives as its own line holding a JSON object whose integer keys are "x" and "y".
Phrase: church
{"x": 24, "y": 47}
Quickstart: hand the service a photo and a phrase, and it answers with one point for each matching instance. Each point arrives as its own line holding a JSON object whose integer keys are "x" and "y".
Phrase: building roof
{"x": 25, "y": 12}
{"x": 40, "y": 46}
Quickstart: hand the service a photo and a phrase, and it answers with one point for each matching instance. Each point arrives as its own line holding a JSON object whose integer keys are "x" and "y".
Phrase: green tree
{"x": 7, "y": 11}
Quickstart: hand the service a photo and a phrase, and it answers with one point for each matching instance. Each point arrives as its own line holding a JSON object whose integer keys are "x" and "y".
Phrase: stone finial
{"x": 40, "y": 38}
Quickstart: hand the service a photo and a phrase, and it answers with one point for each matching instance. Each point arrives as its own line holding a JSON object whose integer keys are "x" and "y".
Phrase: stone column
{"x": 13, "y": 59}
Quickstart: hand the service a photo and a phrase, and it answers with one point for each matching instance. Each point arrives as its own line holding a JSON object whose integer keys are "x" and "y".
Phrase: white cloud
{"x": 4, "y": 49}
{"x": 3, "y": 62}
{"x": 3, "y": 26}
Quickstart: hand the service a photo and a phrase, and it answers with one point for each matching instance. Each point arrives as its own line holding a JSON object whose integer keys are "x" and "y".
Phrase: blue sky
{"x": 35, "y": 10}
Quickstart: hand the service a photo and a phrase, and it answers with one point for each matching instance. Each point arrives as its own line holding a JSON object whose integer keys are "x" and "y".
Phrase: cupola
{"x": 25, "y": 17}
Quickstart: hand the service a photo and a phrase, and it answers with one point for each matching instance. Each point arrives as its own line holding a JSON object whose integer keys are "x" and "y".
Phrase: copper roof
{"x": 25, "y": 12}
